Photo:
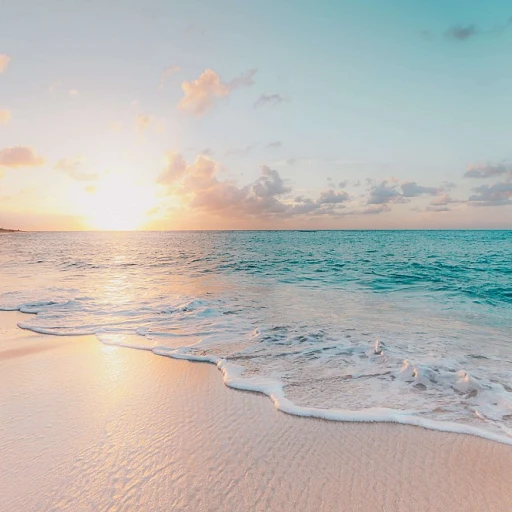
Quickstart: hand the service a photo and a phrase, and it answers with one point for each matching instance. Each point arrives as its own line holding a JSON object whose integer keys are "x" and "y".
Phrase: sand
{"x": 90, "y": 427}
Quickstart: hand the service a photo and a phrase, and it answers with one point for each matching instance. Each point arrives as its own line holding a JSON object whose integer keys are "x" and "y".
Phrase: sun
{"x": 118, "y": 205}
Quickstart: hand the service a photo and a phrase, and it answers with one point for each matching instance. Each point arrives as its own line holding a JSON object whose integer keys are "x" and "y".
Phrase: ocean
{"x": 411, "y": 327}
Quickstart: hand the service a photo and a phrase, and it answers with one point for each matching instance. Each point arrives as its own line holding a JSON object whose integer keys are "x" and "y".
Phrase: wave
{"x": 308, "y": 360}
{"x": 233, "y": 377}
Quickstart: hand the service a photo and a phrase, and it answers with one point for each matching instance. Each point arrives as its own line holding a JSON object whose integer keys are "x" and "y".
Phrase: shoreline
{"x": 94, "y": 427}
{"x": 232, "y": 377}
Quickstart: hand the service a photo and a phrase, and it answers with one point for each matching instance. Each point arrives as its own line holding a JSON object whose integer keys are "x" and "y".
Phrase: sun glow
{"x": 118, "y": 205}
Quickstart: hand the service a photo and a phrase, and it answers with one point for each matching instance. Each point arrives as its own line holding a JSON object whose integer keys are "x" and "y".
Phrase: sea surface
{"x": 412, "y": 327}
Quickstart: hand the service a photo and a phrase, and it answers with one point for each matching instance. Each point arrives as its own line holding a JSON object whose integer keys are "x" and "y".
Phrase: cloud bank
{"x": 269, "y": 196}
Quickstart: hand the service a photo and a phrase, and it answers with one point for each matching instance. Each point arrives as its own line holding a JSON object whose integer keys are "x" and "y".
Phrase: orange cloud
{"x": 174, "y": 169}
{"x": 20, "y": 156}
{"x": 5, "y": 116}
{"x": 200, "y": 95}
{"x": 142, "y": 122}
{"x": 4, "y": 62}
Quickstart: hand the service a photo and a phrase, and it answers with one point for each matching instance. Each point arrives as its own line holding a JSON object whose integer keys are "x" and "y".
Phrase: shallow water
{"x": 385, "y": 325}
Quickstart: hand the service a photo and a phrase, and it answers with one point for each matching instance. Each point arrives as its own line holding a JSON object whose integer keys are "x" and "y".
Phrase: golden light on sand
{"x": 118, "y": 205}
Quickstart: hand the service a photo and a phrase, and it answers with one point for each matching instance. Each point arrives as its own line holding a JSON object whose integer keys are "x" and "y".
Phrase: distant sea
{"x": 406, "y": 326}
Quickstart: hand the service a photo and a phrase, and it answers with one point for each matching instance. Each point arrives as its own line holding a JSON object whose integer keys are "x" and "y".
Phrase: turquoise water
{"x": 409, "y": 326}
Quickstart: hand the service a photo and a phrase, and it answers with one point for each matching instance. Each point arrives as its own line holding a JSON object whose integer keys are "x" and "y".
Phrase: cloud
{"x": 498, "y": 194}
{"x": 4, "y": 62}
{"x": 374, "y": 210}
{"x": 412, "y": 189}
{"x": 441, "y": 203}
{"x": 244, "y": 80}
{"x": 275, "y": 145}
{"x": 242, "y": 151}
{"x": 270, "y": 196}
{"x": 173, "y": 170}
{"x": 73, "y": 168}
{"x": 167, "y": 74}
{"x": 142, "y": 122}
{"x": 268, "y": 99}
{"x": 488, "y": 170}
{"x": 200, "y": 94}
{"x": 267, "y": 196}
{"x": 437, "y": 208}
{"x": 5, "y": 116}
{"x": 57, "y": 87}
{"x": 331, "y": 197}
{"x": 448, "y": 185}
{"x": 20, "y": 156}
{"x": 384, "y": 193}
{"x": 462, "y": 33}
{"x": 269, "y": 184}
{"x": 116, "y": 126}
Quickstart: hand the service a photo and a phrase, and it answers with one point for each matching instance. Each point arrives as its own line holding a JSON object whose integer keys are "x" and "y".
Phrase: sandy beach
{"x": 90, "y": 427}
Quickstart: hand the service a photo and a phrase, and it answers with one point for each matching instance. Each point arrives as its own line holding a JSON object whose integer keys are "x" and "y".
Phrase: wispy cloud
{"x": 412, "y": 189}
{"x": 5, "y": 116}
{"x": 488, "y": 170}
{"x": 268, "y": 99}
{"x": 57, "y": 87}
{"x": 20, "y": 156}
{"x": 73, "y": 167}
{"x": 201, "y": 94}
{"x": 462, "y": 33}
{"x": 442, "y": 203}
{"x": 275, "y": 144}
{"x": 142, "y": 122}
{"x": 244, "y": 80}
{"x": 4, "y": 62}
{"x": 166, "y": 75}
{"x": 242, "y": 151}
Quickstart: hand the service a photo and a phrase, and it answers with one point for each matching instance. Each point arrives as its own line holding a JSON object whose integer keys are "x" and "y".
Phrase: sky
{"x": 159, "y": 114}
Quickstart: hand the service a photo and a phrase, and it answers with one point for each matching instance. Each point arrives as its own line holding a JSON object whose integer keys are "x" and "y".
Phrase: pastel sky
{"x": 160, "y": 114}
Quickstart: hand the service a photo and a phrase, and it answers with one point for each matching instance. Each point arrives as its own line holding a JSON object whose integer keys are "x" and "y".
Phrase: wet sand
{"x": 87, "y": 427}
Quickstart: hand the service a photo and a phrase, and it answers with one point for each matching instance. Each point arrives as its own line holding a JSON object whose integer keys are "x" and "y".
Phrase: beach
{"x": 92, "y": 427}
